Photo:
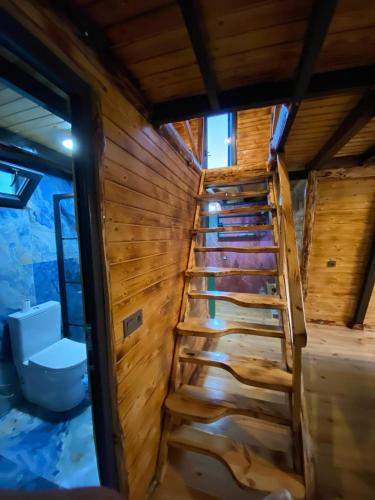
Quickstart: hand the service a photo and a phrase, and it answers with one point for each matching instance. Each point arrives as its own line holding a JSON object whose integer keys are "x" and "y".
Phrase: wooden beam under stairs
{"x": 232, "y": 196}
{"x": 240, "y": 180}
{"x": 257, "y": 249}
{"x": 228, "y": 271}
{"x": 240, "y": 211}
{"x": 212, "y": 328}
{"x": 241, "y": 299}
{"x": 250, "y": 371}
{"x": 204, "y": 404}
{"x": 235, "y": 229}
{"x": 248, "y": 469}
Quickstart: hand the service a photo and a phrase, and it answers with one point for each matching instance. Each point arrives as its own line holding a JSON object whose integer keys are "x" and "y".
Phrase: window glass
{"x": 16, "y": 185}
{"x": 11, "y": 182}
{"x": 218, "y": 141}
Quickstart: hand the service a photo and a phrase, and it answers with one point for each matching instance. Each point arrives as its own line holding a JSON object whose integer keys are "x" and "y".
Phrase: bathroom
{"x": 46, "y": 424}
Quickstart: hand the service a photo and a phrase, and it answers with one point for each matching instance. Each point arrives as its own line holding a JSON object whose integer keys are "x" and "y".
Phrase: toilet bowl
{"x": 50, "y": 367}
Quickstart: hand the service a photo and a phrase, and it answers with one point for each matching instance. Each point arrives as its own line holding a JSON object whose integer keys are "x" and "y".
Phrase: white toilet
{"x": 50, "y": 367}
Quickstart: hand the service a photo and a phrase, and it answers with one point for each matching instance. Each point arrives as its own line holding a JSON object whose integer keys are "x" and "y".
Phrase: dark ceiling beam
{"x": 27, "y": 86}
{"x": 366, "y": 291}
{"x": 264, "y": 94}
{"x": 93, "y": 35}
{"x": 190, "y": 13}
{"x": 297, "y": 175}
{"x": 367, "y": 155}
{"x": 18, "y": 157}
{"x": 15, "y": 147}
{"x": 317, "y": 29}
{"x": 352, "y": 124}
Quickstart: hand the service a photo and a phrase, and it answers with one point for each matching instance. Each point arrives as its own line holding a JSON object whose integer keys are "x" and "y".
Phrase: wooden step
{"x": 236, "y": 180}
{"x": 257, "y": 249}
{"x": 242, "y": 299}
{"x": 223, "y": 195}
{"x": 250, "y": 371}
{"x": 213, "y": 328}
{"x": 240, "y": 211}
{"x": 235, "y": 229}
{"x": 250, "y": 470}
{"x": 204, "y": 404}
{"x": 229, "y": 271}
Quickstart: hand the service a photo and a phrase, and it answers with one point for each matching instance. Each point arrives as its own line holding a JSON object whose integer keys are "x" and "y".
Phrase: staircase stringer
{"x": 176, "y": 379}
{"x": 184, "y": 309}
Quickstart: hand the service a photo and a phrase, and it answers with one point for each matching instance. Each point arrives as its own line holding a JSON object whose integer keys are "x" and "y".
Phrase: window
{"x": 219, "y": 141}
{"x": 17, "y": 184}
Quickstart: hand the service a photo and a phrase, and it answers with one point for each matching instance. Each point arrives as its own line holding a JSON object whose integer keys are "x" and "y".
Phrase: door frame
{"x": 87, "y": 131}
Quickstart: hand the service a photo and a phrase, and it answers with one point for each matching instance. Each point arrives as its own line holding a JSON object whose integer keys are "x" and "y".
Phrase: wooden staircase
{"x": 242, "y": 194}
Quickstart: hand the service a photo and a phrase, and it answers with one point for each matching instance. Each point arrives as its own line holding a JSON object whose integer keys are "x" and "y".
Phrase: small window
{"x": 219, "y": 140}
{"x": 17, "y": 184}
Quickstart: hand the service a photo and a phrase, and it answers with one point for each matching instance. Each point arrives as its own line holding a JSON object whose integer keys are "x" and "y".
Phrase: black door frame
{"x": 86, "y": 130}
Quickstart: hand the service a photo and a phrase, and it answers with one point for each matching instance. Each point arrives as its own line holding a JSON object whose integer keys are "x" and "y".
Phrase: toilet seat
{"x": 63, "y": 355}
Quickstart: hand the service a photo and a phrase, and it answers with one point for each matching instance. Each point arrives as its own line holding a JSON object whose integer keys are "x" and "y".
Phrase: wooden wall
{"x": 196, "y": 126}
{"x": 342, "y": 232}
{"x": 253, "y": 136}
{"x": 148, "y": 207}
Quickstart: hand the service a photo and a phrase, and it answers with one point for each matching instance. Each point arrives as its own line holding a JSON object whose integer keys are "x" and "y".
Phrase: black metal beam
{"x": 352, "y": 124}
{"x": 191, "y": 15}
{"x": 15, "y": 147}
{"x": 22, "y": 159}
{"x": 320, "y": 19}
{"x": 27, "y": 86}
{"x": 367, "y": 155}
{"x": 264, "y": 94}
{"x": 297, "y": 175}
{"x": 367, "y": 288}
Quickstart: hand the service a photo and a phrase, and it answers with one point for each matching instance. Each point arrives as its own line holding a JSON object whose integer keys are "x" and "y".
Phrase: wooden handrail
{"x": 295, "y": 286}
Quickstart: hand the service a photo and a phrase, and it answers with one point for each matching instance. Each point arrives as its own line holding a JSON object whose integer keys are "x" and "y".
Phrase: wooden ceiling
{"x": 316, "y": 120}
{"x": 246, "y": 41}
{"x": 191, "y": 58}
{"x": 185, "y": 59}
{"x": 22, "y": 118}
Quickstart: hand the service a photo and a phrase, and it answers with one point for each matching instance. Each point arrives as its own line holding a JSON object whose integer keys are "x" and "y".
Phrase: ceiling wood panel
{"x": 316, "y": 121}
{"x": 360, "y": 142}
{"x": 247, "y": 41}
{"x": 119, "y": 10}
{"x": 351, "y": 36}
{"x": 22, "y": 116}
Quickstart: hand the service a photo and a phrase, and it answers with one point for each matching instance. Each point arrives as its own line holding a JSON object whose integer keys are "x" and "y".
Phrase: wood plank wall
{"x": 195, "y": 129}
{"x": 148, "y": 205}
{"x": 253, "y": 136}
{"x": 342, "y": 232}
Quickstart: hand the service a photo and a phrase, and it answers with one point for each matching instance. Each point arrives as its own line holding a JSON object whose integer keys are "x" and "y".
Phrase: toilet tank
{"x": 34, "y": 330}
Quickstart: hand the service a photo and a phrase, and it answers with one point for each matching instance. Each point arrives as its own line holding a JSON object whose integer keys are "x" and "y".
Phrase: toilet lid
{"x": 63, "y": 354}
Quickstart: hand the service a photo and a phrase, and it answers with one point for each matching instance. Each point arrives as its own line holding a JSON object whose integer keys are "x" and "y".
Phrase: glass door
{"x": 69, "y": 267}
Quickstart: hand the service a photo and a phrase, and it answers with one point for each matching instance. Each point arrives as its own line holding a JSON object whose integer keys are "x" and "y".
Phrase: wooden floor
{"x": 339, "y": 380}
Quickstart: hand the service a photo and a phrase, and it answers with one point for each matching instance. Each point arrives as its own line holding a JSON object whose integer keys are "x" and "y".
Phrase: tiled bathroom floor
{"x": 42, "y": 450}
